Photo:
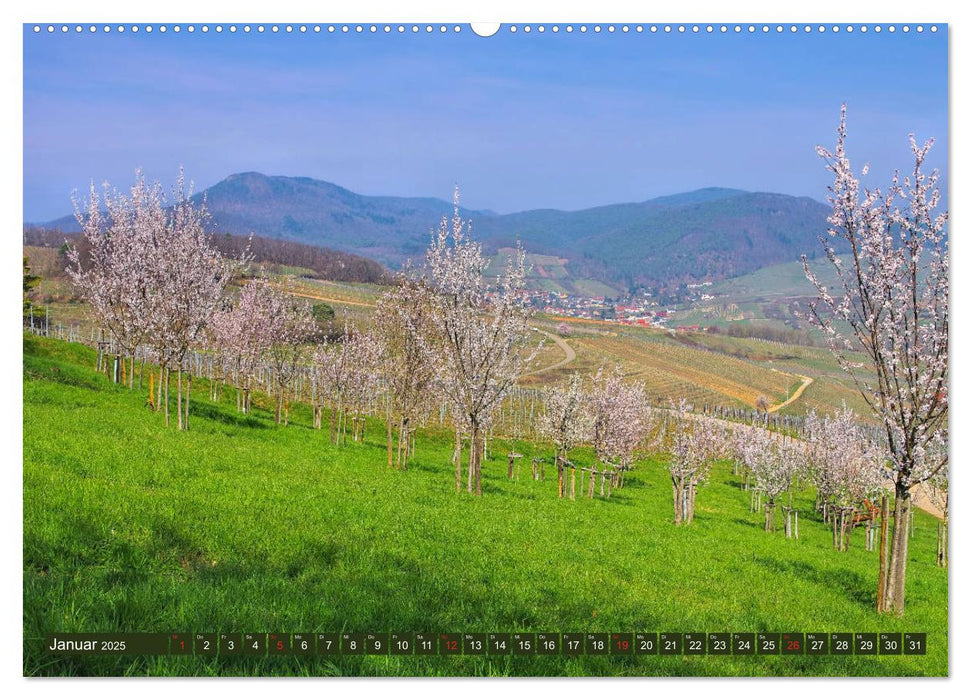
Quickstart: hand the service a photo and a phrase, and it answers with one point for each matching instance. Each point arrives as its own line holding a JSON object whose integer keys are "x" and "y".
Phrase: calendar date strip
{"x": 491, "y": 644}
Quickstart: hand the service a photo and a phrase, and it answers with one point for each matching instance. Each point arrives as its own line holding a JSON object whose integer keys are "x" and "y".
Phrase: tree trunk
{"x": 470, "y": 469}
{"x": 677, "y": 491}
{"x": 573, "y": 483}
{"x": 178, "y": 395}
{"x": 477, "y": 449}
{"x": 188, "y": 393}
{"x": 458, "y": 460}
{"x": 849, "y": 528}
{"x": 942, "y": 543}
{"x": 897, "y": 564}
{"x": 390, "y": 437}
{"x": 882, "y": 576}
{"x": 168, "y": 380}
{"x": 403, "y": 433}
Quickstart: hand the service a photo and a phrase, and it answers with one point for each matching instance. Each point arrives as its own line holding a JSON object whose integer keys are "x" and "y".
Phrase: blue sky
{"x": 519, "y": 121}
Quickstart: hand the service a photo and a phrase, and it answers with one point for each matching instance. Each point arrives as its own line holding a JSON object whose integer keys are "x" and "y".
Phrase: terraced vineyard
{"x": 670, "y": 369}
{"x": 702, "y": 367}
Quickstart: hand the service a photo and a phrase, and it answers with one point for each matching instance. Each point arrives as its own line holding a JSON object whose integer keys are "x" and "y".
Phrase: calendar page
{"x": 525, "y": 349}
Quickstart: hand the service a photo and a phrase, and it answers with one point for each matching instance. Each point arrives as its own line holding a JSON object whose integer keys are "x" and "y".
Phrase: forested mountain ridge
{"x": 706, "y": 234}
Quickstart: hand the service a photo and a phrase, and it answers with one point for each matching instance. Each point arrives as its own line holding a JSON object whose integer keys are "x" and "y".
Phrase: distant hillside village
{"x": 643, "y": 308}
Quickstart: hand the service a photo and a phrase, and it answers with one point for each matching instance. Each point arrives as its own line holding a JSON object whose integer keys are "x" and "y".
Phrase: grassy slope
{"x": 782, "y": 280}
{"x": 240, "y": 525}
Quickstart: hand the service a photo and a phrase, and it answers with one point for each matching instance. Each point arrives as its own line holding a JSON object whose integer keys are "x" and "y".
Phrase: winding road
{"x": 806, "y": 381}
{"x": 569, "y": 354}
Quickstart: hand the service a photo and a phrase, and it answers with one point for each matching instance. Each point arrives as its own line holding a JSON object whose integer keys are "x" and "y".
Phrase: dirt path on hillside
{"x": 569, "y": 354}
{"x": 329, "y": 300}
{"x": 806, "y": 381}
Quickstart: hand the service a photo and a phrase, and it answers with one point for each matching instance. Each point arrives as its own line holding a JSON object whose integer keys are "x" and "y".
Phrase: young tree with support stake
{"x": 620, "y": 415}
{"x": 191, "y": 274}
{"x": 565, "y": 421}
{"x": 405, "y": 333}
{"x": 692, "y": 442}
{"x": 115, "y": 276}
{"x": 890, "y": 305}
{"x": 774, "y": 461}
{"x": 483, "y": 330}
{"x": 242, "y": 333}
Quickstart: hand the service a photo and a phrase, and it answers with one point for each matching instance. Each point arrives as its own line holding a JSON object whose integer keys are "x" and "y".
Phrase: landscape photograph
{"x": 530, "y": 350}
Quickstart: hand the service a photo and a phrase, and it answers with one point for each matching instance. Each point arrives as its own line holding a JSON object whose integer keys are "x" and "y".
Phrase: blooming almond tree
{"x": 191, "y": 274}
{"x": 848, "y": 468}
{"x": 890, "y": 306}
{"x": 692, "y": 442}
{"x": 114, "y": 275}
{"x": 565, "y": 421}
{"x": 364, "y": 379}
{"x": 774, "y": 461}
{"x": 404, "y": 333}
{"x": 290, "y": 326}
{"x": 333, "y": 363}
{"x": 242, "y": 333}
{"x": 483, "y": 330}
{"x": 824, "y": 449}
{"x": 620, "y": 417}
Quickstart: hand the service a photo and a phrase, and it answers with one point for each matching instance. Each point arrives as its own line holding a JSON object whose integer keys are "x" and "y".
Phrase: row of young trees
{"x": 151, "y": 276}
{"x": 445, "y": 336}
{"x": 154, "y": 279}
{"x": 835, "y": 454}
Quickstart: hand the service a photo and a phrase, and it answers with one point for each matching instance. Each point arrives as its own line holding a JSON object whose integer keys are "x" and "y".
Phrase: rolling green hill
{"x": 242, "y": 525}
{"x": 711, "y": 233}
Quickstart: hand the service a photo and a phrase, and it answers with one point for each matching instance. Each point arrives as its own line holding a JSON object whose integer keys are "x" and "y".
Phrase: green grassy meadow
{"x": 245, "y": 526}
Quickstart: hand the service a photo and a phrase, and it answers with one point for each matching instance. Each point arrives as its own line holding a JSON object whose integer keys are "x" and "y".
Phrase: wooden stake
{"x": 882, "y": 576}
